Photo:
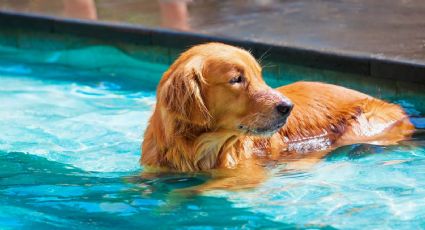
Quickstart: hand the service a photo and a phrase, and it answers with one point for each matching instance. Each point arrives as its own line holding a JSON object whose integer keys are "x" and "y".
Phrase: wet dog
{"x": 214, "y": 111}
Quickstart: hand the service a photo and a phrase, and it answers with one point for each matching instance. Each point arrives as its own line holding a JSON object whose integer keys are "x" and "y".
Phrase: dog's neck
{"x": 183, "y": 146}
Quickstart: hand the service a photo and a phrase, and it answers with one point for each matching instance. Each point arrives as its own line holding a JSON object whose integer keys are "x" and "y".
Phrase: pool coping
{"x": 371, "y": 66}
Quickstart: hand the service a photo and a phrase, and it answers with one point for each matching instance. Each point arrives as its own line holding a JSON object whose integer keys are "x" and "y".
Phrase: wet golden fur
{"x": 201, "y": 122}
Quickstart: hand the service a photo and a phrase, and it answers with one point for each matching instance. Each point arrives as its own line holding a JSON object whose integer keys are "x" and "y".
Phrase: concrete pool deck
{"x": 385, "y": 39}
{"x": 385, "y": 28}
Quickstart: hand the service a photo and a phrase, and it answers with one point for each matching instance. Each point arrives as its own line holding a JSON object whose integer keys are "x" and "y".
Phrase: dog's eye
{"x": 236, "y": 80}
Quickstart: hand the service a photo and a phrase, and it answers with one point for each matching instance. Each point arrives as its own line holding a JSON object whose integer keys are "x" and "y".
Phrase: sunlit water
{"x": 69, "y": 154}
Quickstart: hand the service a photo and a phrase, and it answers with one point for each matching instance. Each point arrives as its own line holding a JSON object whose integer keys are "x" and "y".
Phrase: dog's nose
{"x": 284, "y": 108}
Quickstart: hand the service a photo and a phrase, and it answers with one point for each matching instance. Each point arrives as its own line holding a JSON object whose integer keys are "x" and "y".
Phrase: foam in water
{"x": 95, "y": 128}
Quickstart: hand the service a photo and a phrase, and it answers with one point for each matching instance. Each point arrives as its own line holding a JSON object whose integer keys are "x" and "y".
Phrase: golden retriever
{"x": 214, "y": 110}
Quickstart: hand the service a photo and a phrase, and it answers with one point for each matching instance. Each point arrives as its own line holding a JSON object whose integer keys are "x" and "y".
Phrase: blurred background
{"x": 389, "y": 28}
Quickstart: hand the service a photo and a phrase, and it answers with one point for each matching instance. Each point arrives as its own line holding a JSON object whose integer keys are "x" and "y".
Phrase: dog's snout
{"x": 284, "y": 108}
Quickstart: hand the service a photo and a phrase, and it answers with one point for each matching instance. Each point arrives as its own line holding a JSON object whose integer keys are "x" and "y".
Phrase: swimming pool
{"x": 72, "y": 122}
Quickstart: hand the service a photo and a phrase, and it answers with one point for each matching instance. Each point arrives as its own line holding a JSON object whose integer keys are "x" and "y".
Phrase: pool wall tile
{"x": 315, "y": 59}
{"x": 9, "y": 39}
{"x": 103, "y": 31}
{"x": 344, "y": 62}
{"x": 145, "y": 52}
{"x": 413, "y": 72}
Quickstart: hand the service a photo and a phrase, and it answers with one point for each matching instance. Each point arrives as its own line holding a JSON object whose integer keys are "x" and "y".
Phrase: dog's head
{"x": 221, "y": 87}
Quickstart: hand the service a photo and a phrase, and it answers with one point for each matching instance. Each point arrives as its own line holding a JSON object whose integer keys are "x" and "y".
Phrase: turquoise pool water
{"x": 69, "y": 150}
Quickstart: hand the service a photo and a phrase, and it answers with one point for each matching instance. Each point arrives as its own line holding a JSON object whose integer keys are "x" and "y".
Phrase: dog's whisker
{"x": 263, "y": 56}
{"x": 269, "y": 66}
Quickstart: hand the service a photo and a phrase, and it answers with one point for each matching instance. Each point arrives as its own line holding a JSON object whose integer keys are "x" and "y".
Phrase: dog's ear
{"x": 181, "y": 93}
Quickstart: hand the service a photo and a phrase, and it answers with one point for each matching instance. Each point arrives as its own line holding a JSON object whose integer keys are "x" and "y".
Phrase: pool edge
{"x": 367, "y": 65}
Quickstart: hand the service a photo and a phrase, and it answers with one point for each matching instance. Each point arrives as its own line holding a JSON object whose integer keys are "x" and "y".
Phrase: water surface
{"x": 69, "y": 151}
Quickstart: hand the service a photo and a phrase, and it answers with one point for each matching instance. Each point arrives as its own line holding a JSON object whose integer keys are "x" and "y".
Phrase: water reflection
{"x": 85, "y": 9}
{"x": 352, "y": 25}
{"x": 172, "y": 13}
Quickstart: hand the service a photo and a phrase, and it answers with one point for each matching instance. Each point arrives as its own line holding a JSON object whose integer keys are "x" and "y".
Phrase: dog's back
{"x": 214, "y": 110}
{"x": 343, "y": 115}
